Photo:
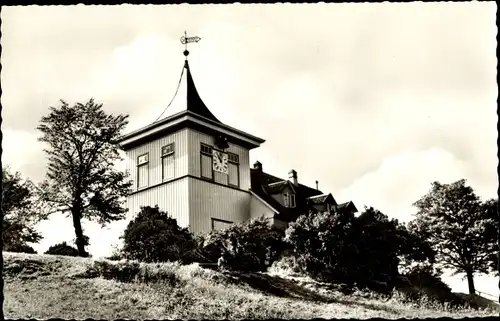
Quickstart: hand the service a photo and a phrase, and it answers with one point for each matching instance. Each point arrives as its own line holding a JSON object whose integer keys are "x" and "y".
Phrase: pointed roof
{"x": 187, "y": 109}
{"x": 194, "y": 102}
{"x": 188, "y": 99}
{"x": 321, "y": 199}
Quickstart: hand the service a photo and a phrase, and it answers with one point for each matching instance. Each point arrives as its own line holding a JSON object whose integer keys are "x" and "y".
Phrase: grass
{"x": 45, "y": 286}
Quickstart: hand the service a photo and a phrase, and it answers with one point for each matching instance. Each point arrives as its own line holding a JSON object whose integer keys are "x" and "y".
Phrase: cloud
{"x": 24, "y": 153}
{"x": 402, "y": 179}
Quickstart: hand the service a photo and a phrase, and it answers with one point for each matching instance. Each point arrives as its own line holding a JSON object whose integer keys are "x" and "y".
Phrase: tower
{"x": 191, "y": 164}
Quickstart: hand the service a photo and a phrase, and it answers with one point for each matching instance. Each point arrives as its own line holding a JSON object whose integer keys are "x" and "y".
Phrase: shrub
{"x": 421, "y": 283}
{"x": 19, "y": 248}
{"x": 62, "y": 249}
{"x": 318, "y": 241}
{"x": 247, "y": 246}
{"x": 124, "y": 271}
{"x": 129, "y": 271}
{"x": 154, "y": 236}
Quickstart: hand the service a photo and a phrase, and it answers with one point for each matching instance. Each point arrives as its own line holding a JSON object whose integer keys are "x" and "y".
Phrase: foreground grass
{"x": 43, "y": 286}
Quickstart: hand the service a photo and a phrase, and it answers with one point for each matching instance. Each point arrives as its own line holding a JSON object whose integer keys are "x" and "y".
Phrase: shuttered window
{"x": 206, "y": 161}
{"x": 143, "y": 171}
{"x": 167, "y": 161}
{"x": 233, "y": 169}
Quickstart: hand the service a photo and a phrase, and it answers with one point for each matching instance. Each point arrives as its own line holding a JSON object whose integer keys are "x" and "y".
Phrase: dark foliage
{"x": 318, "y": 241}
{"x": 366, "y": 251}
{"x": 422, "y": 281}
{"x": 247, "y": 246}
{"x": 154, "y": 236}
{"x": 21, "y": 212}
{"x": 460, "y": 228}
{"x": 20, "y": 248}
{"x": 81, "y": 178}
{"x": 62, "y": 249}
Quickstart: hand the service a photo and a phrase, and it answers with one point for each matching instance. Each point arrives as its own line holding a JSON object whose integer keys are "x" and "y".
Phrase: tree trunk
{"x": 470, "y": 281}
{"x": 80, "y": 241}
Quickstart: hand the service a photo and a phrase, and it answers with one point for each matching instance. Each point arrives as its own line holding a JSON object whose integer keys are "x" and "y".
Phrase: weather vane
{"x": 185, "y": 40}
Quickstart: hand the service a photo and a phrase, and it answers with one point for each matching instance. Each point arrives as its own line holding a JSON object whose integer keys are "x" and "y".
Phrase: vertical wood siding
{"x": 171, "y": 197}
{"x": 207, "y": 201}
{"x": 195, "y": 138}
{"x": 180, "y": 138}
{"x": 258, "y": 209}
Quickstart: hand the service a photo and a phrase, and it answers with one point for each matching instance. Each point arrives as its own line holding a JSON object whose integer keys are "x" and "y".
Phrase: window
{"x": 206, "y": 161}
{"x": 220, "y": 224}
{"x": 289, "y": 200}
{"x": 143, "y": 170}
{"x": 233, "y": 170}
{"x": 167, "y": 161}
{"x": 292, "y": 200}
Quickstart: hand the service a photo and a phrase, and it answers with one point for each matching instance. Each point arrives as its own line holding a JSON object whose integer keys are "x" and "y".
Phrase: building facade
{"x": 198, "y": 170}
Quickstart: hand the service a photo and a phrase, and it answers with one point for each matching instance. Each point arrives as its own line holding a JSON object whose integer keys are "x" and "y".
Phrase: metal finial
{"x": 185, "y": 40}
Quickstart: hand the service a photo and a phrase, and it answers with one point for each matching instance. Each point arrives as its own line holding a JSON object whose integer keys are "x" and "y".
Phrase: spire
{"x": 194, "y": 102}
{"x": 187, "y": 97}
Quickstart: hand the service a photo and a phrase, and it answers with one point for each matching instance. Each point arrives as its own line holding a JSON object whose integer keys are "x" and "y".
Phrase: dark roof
{"x": 347, "y": 206}
{"x": 195, "y": 107}
{"x": 278, "y": 187}
{"x": 194, "y": 102}
{"x": 260, "y": 182}
{"x": 321, "y": 199}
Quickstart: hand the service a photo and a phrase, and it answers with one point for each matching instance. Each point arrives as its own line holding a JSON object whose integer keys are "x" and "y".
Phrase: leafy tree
{"x": 154, "y": 236}
{"x": 366, "y": 250}
{"x": 62, "y": 249}
{"x": 81, "y": 180}
{"x": 318, "y": 241}
{"x": 490, "y": 207}
{"x": 246, "y": 246}
{"x": 378, "y": 244}
{"x": 457, "y": 225}
{"x": 20, "y": 212}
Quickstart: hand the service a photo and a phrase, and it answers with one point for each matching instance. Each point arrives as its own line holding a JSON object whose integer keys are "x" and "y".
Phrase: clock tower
{"x": 190, "y": 164}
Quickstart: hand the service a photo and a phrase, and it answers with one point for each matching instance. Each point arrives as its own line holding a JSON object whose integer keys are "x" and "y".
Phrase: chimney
{"x": 292, "y": 176}
{"x": 258, "y": 166}
{"x": 317, "y": 188}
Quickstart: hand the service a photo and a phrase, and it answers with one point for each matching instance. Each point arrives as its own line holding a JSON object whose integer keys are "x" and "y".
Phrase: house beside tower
{"x": 197, "y": 169}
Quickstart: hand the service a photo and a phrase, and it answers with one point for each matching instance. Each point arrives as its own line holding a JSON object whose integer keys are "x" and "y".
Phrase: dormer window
{"x": 289, "y": 200}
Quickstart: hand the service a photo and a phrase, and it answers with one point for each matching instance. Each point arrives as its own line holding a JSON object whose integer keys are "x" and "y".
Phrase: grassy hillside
{"x": 44, "y": 286}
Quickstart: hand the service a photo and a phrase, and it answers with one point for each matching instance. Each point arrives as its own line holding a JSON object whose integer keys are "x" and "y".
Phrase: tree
{"x": 20, "y": 212}
{"x": 154, "y": 236}
{"x": 490, "y": 207}
{"x": 81, "y": 179}
{"x": 453, "y": 220}
{"x": 318, "y": 241}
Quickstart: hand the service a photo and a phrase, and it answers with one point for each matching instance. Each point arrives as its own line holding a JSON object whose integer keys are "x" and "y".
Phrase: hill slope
{"x": 45, "y": 286}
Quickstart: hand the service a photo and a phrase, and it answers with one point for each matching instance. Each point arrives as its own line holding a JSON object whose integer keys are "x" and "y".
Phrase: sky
{"x": 373, "y": 100}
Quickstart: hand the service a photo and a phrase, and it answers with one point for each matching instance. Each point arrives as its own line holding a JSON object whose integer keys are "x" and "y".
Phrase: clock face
{"x": 220, "y": 162}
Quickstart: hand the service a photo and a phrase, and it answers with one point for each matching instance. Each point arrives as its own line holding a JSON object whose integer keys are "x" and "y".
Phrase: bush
{"x": 19, "y": 248}
{"x": 421, "y": 283}
{"x": 62, "y": 249}
{"x": 124, "y": 271}
{"x": 318, "y": 242}
{"x": 153, "y": 236}
{"x": 247, "y": 246}
{"x": 129, "y": 271}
